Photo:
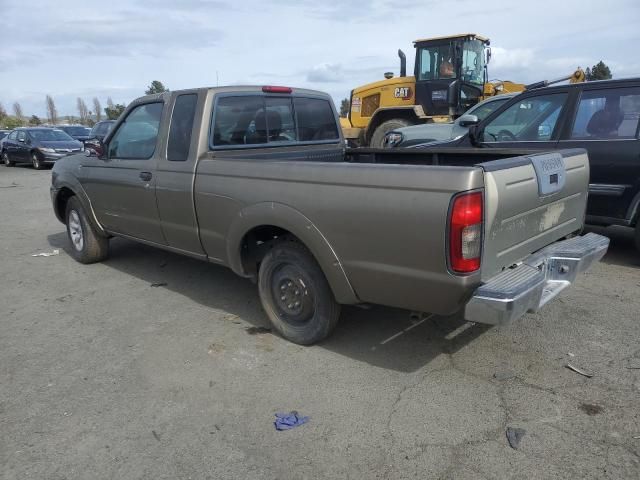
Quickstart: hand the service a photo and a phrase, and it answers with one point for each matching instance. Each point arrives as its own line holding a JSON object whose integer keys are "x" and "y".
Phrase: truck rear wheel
{"x": 87, "y": 245}
{"x": 638, "y": 235}
{"x": 296, "y": 295}
{"x": 377, "y": 139}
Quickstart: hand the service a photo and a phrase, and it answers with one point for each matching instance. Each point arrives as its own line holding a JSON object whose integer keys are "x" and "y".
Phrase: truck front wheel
{"x": 87, "y": 245}
{"x": 377, "y": 139}
{"x": 296, "y": 295}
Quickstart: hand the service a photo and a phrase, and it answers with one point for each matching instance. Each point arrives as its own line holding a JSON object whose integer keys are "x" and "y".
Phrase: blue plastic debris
{"x": 287, "y": 421}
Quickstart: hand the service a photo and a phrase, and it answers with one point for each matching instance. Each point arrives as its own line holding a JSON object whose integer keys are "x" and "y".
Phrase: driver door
{"x": 122, "y": 186}
{"x": 531, "y": 122}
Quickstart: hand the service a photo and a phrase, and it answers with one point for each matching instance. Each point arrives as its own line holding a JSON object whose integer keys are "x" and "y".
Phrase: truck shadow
{"x": 622, "y": 250}
{"x": 385, "y": 337}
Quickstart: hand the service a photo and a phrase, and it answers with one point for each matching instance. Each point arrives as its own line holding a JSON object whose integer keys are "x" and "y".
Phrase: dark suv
{"x": 38, "y": 146}
{"x": 602, "y": 117}
{"x": 79, "y": 132}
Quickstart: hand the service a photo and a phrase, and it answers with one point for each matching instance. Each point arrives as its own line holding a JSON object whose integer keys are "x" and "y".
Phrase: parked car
{"x": 38, "y": 146}
{"x": 432, "y": 132}
{"x": 98, "y": 133}
{"x": 101, "y": 129}
{"x": 602, "y": 117}
{"x": 3, "y": 134}
{"x": 79, "y": 132}
{"x": 232, "y": 176}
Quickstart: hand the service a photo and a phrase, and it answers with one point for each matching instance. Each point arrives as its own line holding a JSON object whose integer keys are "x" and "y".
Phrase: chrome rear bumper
{"x": 536, "y": 281}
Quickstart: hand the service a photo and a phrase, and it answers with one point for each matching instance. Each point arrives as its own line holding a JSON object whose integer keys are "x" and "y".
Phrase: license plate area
{"x": 550, "y": 172}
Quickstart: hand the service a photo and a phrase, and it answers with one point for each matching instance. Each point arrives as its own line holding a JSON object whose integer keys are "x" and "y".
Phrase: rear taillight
{"x": 465, "y": 232}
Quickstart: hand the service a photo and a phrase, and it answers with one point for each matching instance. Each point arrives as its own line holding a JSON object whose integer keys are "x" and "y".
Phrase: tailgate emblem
{"x": 550, "y": 172}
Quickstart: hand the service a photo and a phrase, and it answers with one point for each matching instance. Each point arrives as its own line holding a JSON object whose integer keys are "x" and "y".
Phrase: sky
{"x": 88, "y": 48}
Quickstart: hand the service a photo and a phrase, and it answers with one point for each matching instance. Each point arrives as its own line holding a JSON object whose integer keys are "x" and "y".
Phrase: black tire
{"x": 37, "y": 161}
{"x": 377, "y": 139}
{"x": 296, "y": 295}
{"x": 638, "y": 235}
{"x": 90, "y": 246}
{"x": 6, "y": 160}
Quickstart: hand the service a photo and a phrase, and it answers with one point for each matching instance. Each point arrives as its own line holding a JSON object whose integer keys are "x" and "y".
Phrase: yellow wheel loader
{"x": 450, "y": 75}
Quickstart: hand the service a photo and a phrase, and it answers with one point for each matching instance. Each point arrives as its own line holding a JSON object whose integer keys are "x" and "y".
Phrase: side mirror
{"x": 468, "y": 120}
{"x": 95, "y": 148}
{"x": 474, "y": 135}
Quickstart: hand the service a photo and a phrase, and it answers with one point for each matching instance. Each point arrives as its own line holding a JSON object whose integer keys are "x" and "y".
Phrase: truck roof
{"x": 458, "y": 35}
{"x": 228, "y": 89}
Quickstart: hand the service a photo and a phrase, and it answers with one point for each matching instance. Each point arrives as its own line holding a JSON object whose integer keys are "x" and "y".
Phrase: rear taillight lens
{"x": 465, "y": 232}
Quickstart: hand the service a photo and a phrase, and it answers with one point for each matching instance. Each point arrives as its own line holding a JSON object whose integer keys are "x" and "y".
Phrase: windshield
{"x": 78, "y": 131}
{"x": 473, "y": 62}
{"x": 50, "y": 135}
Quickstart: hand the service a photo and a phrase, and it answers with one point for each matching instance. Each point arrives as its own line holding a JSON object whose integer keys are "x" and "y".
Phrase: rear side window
{"x": 609, "y": 113}
{"x": 315, "y": 119}
{"x": 181, "y": 126}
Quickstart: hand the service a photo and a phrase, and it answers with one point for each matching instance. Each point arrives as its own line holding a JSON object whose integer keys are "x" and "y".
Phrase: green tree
{"x": 12, "y": 122}
{"x": 34, "y": 121}
{"x": 114, "y": 111}
{"x": 156, "y": 87}
{"x": 600, "y": 71}
{"x": 344, "y": 107}
{"x": 3, "y": 112}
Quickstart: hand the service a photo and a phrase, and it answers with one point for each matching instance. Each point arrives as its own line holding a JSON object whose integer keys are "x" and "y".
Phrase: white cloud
{"x": 89, "y": 48}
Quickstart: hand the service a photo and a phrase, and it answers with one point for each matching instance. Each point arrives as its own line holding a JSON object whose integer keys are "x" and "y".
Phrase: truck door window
{"x": 136, "y": 137}
{"x": 181, "y": 126}
{"x": 436, "y": 62}
{"x": 530, "y": 119}
{"x": 607, "y": 113}
{"x": 316, "y": 120}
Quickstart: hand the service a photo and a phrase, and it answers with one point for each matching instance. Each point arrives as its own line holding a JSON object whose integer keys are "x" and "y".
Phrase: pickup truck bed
{"x": 318, "y": 226}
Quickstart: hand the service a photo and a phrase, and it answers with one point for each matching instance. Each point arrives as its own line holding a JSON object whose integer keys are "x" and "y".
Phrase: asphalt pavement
{"x": 156, "y": 366}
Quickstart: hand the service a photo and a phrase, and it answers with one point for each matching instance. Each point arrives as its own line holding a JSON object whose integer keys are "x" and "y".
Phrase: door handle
{"x": 146, "y": 176}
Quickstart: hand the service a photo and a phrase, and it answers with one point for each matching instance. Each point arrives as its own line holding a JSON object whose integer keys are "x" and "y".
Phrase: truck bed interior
{"x": 462, "y": 157}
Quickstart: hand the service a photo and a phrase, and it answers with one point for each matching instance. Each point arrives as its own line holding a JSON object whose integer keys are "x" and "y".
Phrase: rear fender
{"x": 287, "y": 218}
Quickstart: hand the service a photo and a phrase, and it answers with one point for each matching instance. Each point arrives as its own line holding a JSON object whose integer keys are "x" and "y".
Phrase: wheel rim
{"x": 292, "y": 293}
{"x": 35, "y": 160}
{"x": 5, "y": 158}
{"x": 75, "y": 231}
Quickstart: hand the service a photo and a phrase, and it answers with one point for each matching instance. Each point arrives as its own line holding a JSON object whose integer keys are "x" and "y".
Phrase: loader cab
{"x": 450, "y": 73}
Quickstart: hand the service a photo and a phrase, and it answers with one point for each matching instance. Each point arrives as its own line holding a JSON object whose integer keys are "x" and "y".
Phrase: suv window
{"x": 529, "y": 119}
{"x": 315, "y": 119}
{"x": 13, "y": 135}
{"x": 609, "y": 113}
{"x": 181, "y": 127}
{"x": 21, "y": 135}
{"x": 136, "y": 137}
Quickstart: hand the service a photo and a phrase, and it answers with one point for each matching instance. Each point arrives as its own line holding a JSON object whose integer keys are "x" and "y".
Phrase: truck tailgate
{"x": 530, "y": 202}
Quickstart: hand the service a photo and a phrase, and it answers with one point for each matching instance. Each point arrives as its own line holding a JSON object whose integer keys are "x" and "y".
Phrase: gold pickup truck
{"x": 258, "y": 179}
